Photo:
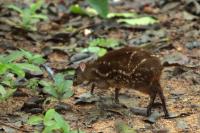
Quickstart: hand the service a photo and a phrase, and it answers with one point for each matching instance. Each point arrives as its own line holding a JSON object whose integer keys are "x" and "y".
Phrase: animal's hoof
{"x": 167, "y": 116}
{"x": 148, "y": 112}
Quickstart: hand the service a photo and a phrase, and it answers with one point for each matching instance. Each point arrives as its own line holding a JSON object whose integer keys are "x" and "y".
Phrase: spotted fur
{"x": 127, "y": 67}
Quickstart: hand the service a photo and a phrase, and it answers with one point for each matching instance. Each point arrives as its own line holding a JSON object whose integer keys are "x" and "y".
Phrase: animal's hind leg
{"x": 152, "y": 98}
{"x": 92, "y": 89}
{"x": 117, "y": 95}
{"x": 162, "y": 97}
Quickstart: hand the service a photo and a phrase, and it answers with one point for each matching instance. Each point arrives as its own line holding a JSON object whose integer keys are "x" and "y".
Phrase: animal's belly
{"x": 139, "y": 85}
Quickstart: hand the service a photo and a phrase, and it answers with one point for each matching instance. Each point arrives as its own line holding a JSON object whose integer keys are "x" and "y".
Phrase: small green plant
{"x": 8, "y": 81}
{"x": 102, "y": 42}
{"x": 60, "y": 89}
{"x": 76, "y": 9}
{"x": 101, "y": 7}
{"x": 6, "y": 64}
{"x": 29, "y": 16}
{"x": 5, "y": 93}
{"x": 9, "y": 63}
{"x": 33, "y": 83}
{"x": 133, "y": 18}
{"x": 147, "y": 20}
{"x": 99, "y": 45}
{"x": 52, "y": 122}
{"x": 13, "y": 64}
{"x": 31, "y": 58}
{"x": 98, "y": 7}
{"x": 97, "y": 50}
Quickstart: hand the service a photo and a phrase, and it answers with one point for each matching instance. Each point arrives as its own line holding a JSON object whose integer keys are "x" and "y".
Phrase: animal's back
{"x": 122, "y": 59}
{"x": 128, "y": 67}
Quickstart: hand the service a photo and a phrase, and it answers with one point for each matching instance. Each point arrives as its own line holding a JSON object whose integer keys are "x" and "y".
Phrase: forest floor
{"x": 176, "y": 38}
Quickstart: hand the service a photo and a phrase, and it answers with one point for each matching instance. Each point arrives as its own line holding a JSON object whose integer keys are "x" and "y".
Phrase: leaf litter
{"x": 65, "y": 36}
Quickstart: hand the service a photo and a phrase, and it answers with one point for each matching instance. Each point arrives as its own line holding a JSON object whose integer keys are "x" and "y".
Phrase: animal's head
{"x": 80, "y": 74}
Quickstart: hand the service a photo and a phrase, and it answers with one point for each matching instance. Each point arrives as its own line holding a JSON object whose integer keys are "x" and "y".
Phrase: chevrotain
{"x": 128, "y": 67}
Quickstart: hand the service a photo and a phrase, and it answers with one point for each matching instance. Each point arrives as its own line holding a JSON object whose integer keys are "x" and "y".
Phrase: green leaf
{"x": 38, "y": 60}
{"x": 139, "y": 21}
{"x": 49, "y": 115}
{"x": 8, "y": 80}
{"x": 26, "y": 19}
{"x": 54, "y": 121}
{"x": 50, "y": 129}
{"x": 50, "y": 90}
{"x": 13, "y": 56}
{"x": 33, "y": 58}
{"x": 50, "y": 123}
{"x": 33, "y": 83}
{"x": 9, "y": 92}
{"x": 91, "y": 49}
{"x": 91, "y": 11}
{"x": 59, "y": 79}
{"x": 35, "y": 6}
{"x": 70, "y": 72}
{"x": 16, "y": 69}
{"x": 76, "y": 9}
{"x": 13, "y": 7}
{"x": 123, "y": 14}
{"x": 67, "y": 94}
{"x": 102, "y": 52}
{"x": 2, "y": 59}
{"x": 7, "y": 83}
{"x": 107, "y": 43}
{"x": 45, "y": 83}
{"x": 68, "y": 84}
{"x": 35, "y": 120}
{"x": 40, "y": 16}
{"x": 2, "y": 91}
{"x": 3, "y": 68}
{"x": 61, "y": 88}
{"x": 67, "y": 89}
{"x": 29, "y": 67}
{"x": 27, "y": 54}
{"x": 97, "y": 50}
{"x": 28, "y": 16}
{"x": 101, "y": 6}
{"x": 62, "y": 123}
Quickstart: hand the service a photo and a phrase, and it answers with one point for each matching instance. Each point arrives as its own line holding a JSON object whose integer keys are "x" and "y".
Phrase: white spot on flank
{"x": 124, "y": 73}
{"x": 131, "y": 57}
{"x": 141, "y": 62}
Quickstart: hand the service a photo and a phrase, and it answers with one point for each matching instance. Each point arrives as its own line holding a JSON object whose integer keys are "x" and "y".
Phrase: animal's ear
{"x": 82, "y": 66}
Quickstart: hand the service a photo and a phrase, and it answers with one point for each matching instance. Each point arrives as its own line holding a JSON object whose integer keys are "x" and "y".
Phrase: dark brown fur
{"x": 127, "y": 67}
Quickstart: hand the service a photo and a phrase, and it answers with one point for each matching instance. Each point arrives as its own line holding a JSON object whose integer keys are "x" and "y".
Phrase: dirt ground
{"x": 176, "y": 38}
